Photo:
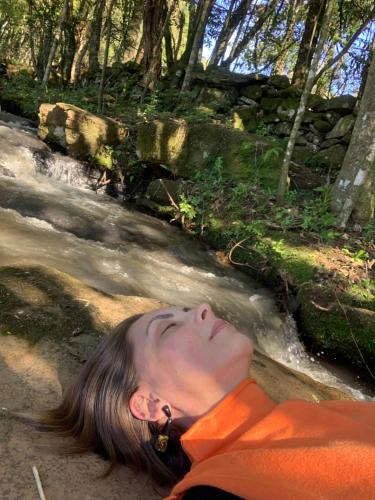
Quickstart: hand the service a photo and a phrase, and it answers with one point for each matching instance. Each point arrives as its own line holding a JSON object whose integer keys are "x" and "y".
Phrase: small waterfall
{"x": 67, "y": 170}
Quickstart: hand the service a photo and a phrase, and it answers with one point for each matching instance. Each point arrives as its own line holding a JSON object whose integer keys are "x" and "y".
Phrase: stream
{"x": 118, "y": 250}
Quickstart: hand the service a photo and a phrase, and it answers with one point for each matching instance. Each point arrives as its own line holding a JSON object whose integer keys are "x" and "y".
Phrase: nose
{"x": 202, "y": 312}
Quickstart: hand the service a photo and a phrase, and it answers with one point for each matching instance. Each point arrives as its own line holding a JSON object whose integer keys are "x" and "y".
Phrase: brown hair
{"x": 95, "y": 412}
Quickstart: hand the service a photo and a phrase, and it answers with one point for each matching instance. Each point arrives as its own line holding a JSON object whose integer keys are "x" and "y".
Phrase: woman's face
{"x": 188, "y": 359}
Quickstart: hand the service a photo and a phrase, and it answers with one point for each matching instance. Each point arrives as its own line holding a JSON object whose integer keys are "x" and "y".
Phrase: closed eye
{"x": 167, "y": 327}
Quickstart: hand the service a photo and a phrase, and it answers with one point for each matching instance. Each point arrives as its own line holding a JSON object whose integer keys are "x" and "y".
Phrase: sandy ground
{"x": 49, "y": 323}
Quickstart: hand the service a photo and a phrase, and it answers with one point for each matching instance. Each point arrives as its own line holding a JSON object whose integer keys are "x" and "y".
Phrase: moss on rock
{"x": 81, "y": 133}
{"x": 329, "y": 323}
{"x": 186, "y": 147}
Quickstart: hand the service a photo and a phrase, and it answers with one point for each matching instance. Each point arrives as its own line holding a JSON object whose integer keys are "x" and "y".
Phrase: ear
{"x": 146, "y": 406}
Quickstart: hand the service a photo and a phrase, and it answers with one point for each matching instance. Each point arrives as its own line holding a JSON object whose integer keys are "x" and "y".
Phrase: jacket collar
{"x": 227, "y": 421}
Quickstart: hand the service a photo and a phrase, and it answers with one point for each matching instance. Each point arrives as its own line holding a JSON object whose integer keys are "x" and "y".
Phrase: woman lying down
{"x": 168, "y": 392}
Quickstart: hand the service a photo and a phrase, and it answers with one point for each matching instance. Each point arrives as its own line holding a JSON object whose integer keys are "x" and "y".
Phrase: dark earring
{"x": 163, "y": 437}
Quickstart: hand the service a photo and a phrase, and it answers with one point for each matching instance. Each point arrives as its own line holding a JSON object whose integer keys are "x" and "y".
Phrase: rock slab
{"x": 81, "y": 133}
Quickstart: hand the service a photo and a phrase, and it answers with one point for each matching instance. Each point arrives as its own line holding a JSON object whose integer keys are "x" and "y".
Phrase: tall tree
{"x": 313, "y": 25}
{"x": 83, "y": 27}
{"x": 205, "y": 9}
{"x": 55, "y": 42}
{"x": 153, "y": 15}
{"x": 266, "y": 11}
{"x": 354, "y": 189}
{"x": 287, "y": 39}
{"x": 108, "y": 26}
{"x": 95, "y": 35}
{"x": 231, "y": 20}
{"x": 149, "y": 77}
{"x": 132, "y": 27}
{"x": 284, "y": 176}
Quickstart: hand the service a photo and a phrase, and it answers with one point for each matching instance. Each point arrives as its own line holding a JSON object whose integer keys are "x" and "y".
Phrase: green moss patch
{"x": 329, "y": 323}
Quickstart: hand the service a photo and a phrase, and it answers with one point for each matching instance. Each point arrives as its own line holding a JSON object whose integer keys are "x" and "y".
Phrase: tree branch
{"x": 346, "y": 47}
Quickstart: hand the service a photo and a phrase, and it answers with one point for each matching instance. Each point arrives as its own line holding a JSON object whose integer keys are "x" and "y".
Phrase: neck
{"x": 185, "y": 418}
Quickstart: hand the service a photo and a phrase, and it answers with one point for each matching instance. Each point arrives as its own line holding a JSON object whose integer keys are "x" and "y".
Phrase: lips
{"x": 218, "y": 325}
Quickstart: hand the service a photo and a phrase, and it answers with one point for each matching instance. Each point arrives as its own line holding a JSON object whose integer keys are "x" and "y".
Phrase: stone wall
{"x": 267, "y": 106}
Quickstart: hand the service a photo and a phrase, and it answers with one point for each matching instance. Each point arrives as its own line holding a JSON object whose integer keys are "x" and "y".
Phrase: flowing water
{"x": 120, "y": 251}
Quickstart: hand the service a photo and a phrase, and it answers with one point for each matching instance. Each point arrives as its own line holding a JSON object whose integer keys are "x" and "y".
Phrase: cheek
{"x": 180, "y": 350}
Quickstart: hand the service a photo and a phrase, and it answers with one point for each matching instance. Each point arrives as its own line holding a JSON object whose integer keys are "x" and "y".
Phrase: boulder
{"x": 269, "y": 91}
{"x": 270, "y": 104}
{"x": 221, "y": 77}
{"x": 81, "y": 133}
{"x": 282, "y": 129}
{"x": 279, "y": 81}
{"x": 330, "y": 116}
{"x": 313, "y": 137}
{"x": 329, "y": 142}
{"x": 300, "y": 140}
{"x": 248, "y": 102}
{"x": 344, "y": 104}
{"x": 252, "y": 92}
{"x": 244, "y": 118}
{"x": 184, "y": 148}
{"x": 287, "y": 109}
{"x": 219, "y": 100}
{"x": 333, "y": 156}
{"x": 322, "y": 126}
{"x": 310, "y": 116}
{"x": 300, "y": 153}
{"x": 342, "y": 127}
{"x": 314, "y": 100}
{"x": 330, "y": 320}
{"x": 270, "y": 118}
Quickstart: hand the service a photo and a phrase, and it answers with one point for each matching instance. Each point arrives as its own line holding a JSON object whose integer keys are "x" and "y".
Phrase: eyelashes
{"x": 171, "y": 325}
{"x": 167, "y": 328}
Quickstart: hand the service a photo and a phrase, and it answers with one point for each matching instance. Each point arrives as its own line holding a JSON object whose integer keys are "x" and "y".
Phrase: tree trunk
{"x": 309, "y": 40}
{"x": 168, "y": 45}
{"x": 55, "y": 42}
{"x": 180, "y": 35}
{"x": 240, "y": 29}
{"x": 284, "y": 176}
{"x": 194, "y": 16}
{"x": 198, "y": 39}
{"x": 108, "y": 26}
{"x": 151, "y": 71}
{"x": 265, "y": 14}
{"x": 70, "y": 44}
{"x": 152, "y": 25}
{"x": 132, "y": 36}
{"x": 31, "y": 37}
{"x": 354, "y": 189}
{"x": 224, "y": 35}
{"x": 82, "y": 30}
{"x": 95, "y": 35}
{"x": 293, "y": 11}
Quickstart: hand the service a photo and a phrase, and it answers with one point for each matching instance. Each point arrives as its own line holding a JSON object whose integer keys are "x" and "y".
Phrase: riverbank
{"x": 324, "y": 277}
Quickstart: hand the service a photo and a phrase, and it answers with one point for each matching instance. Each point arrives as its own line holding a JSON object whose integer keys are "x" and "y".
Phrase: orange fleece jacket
{"x": 254, "y": 448}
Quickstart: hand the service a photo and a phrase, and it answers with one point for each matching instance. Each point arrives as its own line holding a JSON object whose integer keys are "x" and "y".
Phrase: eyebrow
{"x": 159, "y": 316}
